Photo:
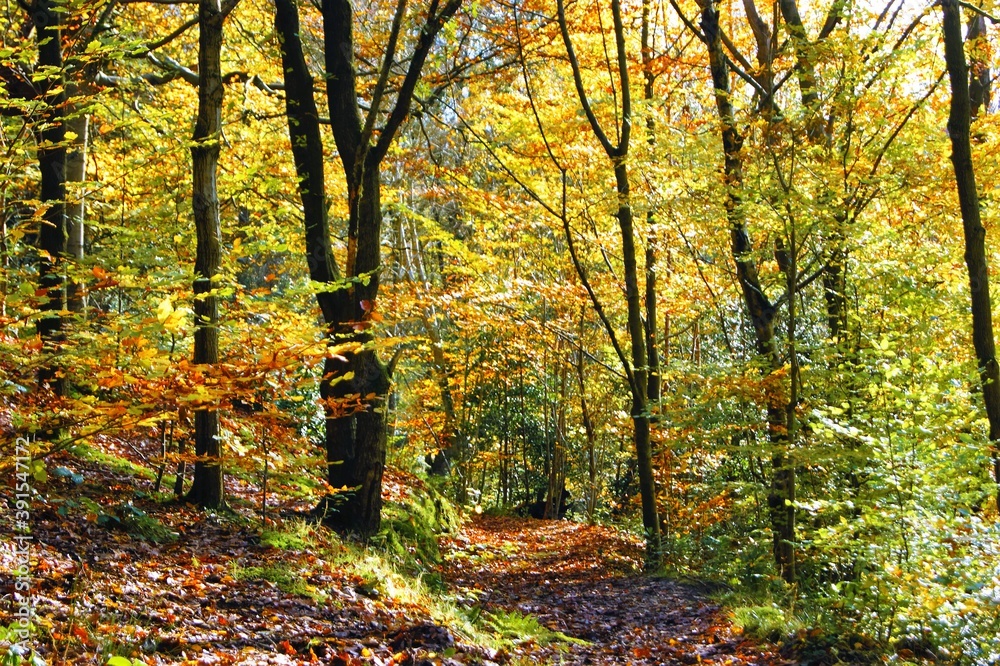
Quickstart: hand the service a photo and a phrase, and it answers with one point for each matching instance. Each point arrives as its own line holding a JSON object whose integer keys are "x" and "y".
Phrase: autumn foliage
{"x": 705, "y": 266}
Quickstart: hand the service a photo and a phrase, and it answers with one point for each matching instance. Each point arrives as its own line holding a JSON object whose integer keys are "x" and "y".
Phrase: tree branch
{"x": 578, "y": 81}
{"x": 383, "y": 77}
{"x": 404, "y": 99}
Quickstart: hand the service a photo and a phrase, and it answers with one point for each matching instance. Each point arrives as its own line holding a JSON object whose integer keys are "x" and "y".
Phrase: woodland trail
{"x": 117, "y": 572}
{"x": 585, "y": 581}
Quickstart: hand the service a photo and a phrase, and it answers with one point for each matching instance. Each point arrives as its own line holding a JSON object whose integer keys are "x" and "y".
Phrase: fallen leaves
{"x": 586, "y": 582}
{"x": 218, "y": 594}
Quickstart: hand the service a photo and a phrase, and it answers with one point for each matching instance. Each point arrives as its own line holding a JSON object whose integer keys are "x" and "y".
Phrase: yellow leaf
{"x": 164, "y": 310}
{"x": 176, "y": 319}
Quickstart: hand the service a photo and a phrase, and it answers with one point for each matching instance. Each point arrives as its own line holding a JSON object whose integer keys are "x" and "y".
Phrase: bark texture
{"x": 959, "y": 122}
{"x": 50, "y": 132}
{"x": 207, "y": 487}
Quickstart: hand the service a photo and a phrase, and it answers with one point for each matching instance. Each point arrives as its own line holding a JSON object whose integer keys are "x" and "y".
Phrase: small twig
{"x": 479, "y": 609}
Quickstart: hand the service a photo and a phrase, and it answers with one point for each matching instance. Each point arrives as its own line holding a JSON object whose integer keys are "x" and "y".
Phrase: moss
{"x": 287, "y": 580}
{"x": 292, "y": 535}
{"x": 114, "y": 463}
{"x": 764, "y": 622}
{"x": 410, "y": 529}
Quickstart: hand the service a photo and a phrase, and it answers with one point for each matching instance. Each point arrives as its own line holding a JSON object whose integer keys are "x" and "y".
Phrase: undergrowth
{"x": 515, "y": 628}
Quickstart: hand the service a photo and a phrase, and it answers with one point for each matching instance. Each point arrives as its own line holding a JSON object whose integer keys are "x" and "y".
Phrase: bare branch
{"x": 832, "y": 19}
{"x": 404, "y": 98}
{"x": 152, "y": 46}
{"x": 578, "y": 81}
{"x": 691, "y": 26}
{"x": 383, "y": 76}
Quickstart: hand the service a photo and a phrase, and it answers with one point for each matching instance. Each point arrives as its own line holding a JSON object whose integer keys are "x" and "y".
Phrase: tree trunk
{"x": 76, "y": 173}
{"x": 653, "y": 360}
{"x": 207, "y": 487}
{"x": 555, "y": 498}
{"x": 307, "y": 151}
{"x": 637, "y": 336}
{"x": 452, "y": 439}
{"x": 760, "y": 310}
{"x": 355, "y": 386}
{"x": 636, "y": 368}
{"x": 356, "y": 440}
{"x": 979, "y": 72}
{"x": 588, "y": 427}
{"x": 50, "y": 133}
{"x": 959, "y": 121}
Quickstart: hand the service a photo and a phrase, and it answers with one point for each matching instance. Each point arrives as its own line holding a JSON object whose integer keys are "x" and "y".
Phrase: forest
{"x": 499, "y": 331}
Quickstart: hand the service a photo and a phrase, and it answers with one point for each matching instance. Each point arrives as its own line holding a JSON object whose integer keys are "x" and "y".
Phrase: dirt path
{"x": 584, "y": 581}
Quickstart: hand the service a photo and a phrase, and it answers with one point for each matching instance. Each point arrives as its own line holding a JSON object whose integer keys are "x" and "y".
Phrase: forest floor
{"x": 122, "y": 576}
{"x": 585, "y": 582}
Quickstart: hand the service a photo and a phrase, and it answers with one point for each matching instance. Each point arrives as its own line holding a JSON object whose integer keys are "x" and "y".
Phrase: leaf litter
{"x": 585, "y": 582}
{"x": 202, "y": 589}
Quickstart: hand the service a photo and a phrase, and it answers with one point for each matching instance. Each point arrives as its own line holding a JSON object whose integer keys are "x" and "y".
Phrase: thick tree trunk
{"x": 207, "y": 487}
{"x": 51, "y": 135}
{"x": 307, "y": 151}
{"x": 356, "y": 442}
{"x": 959, "y": 121}
{"x": 355, "y": 386}
{"x": 781, "y": 497}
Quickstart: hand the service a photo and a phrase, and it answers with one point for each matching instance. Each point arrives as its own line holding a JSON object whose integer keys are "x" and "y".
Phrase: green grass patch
{"x": 517, "y": 628}
{"x": 291, "y": 535}
{"x": 768, "y": 623}
{"x": 114, "y": 463}
{"x": 286, "y": 579}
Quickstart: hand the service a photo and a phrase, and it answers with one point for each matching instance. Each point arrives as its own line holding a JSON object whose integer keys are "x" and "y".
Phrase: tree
{"x": 355, "y": 383}
{"x": 636, "y": 368}
{"x": 207, "y": 488}
{"x": 959, "y": 131}
{"x": 759, "y": 307}
{"x": 49, "y": 128}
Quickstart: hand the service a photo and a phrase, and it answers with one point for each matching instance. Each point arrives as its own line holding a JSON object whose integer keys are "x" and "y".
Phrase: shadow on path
{"x": 586, "y": 582}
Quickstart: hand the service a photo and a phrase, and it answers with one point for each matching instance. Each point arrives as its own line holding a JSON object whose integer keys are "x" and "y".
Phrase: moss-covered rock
{"x": 412, "y": 524}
